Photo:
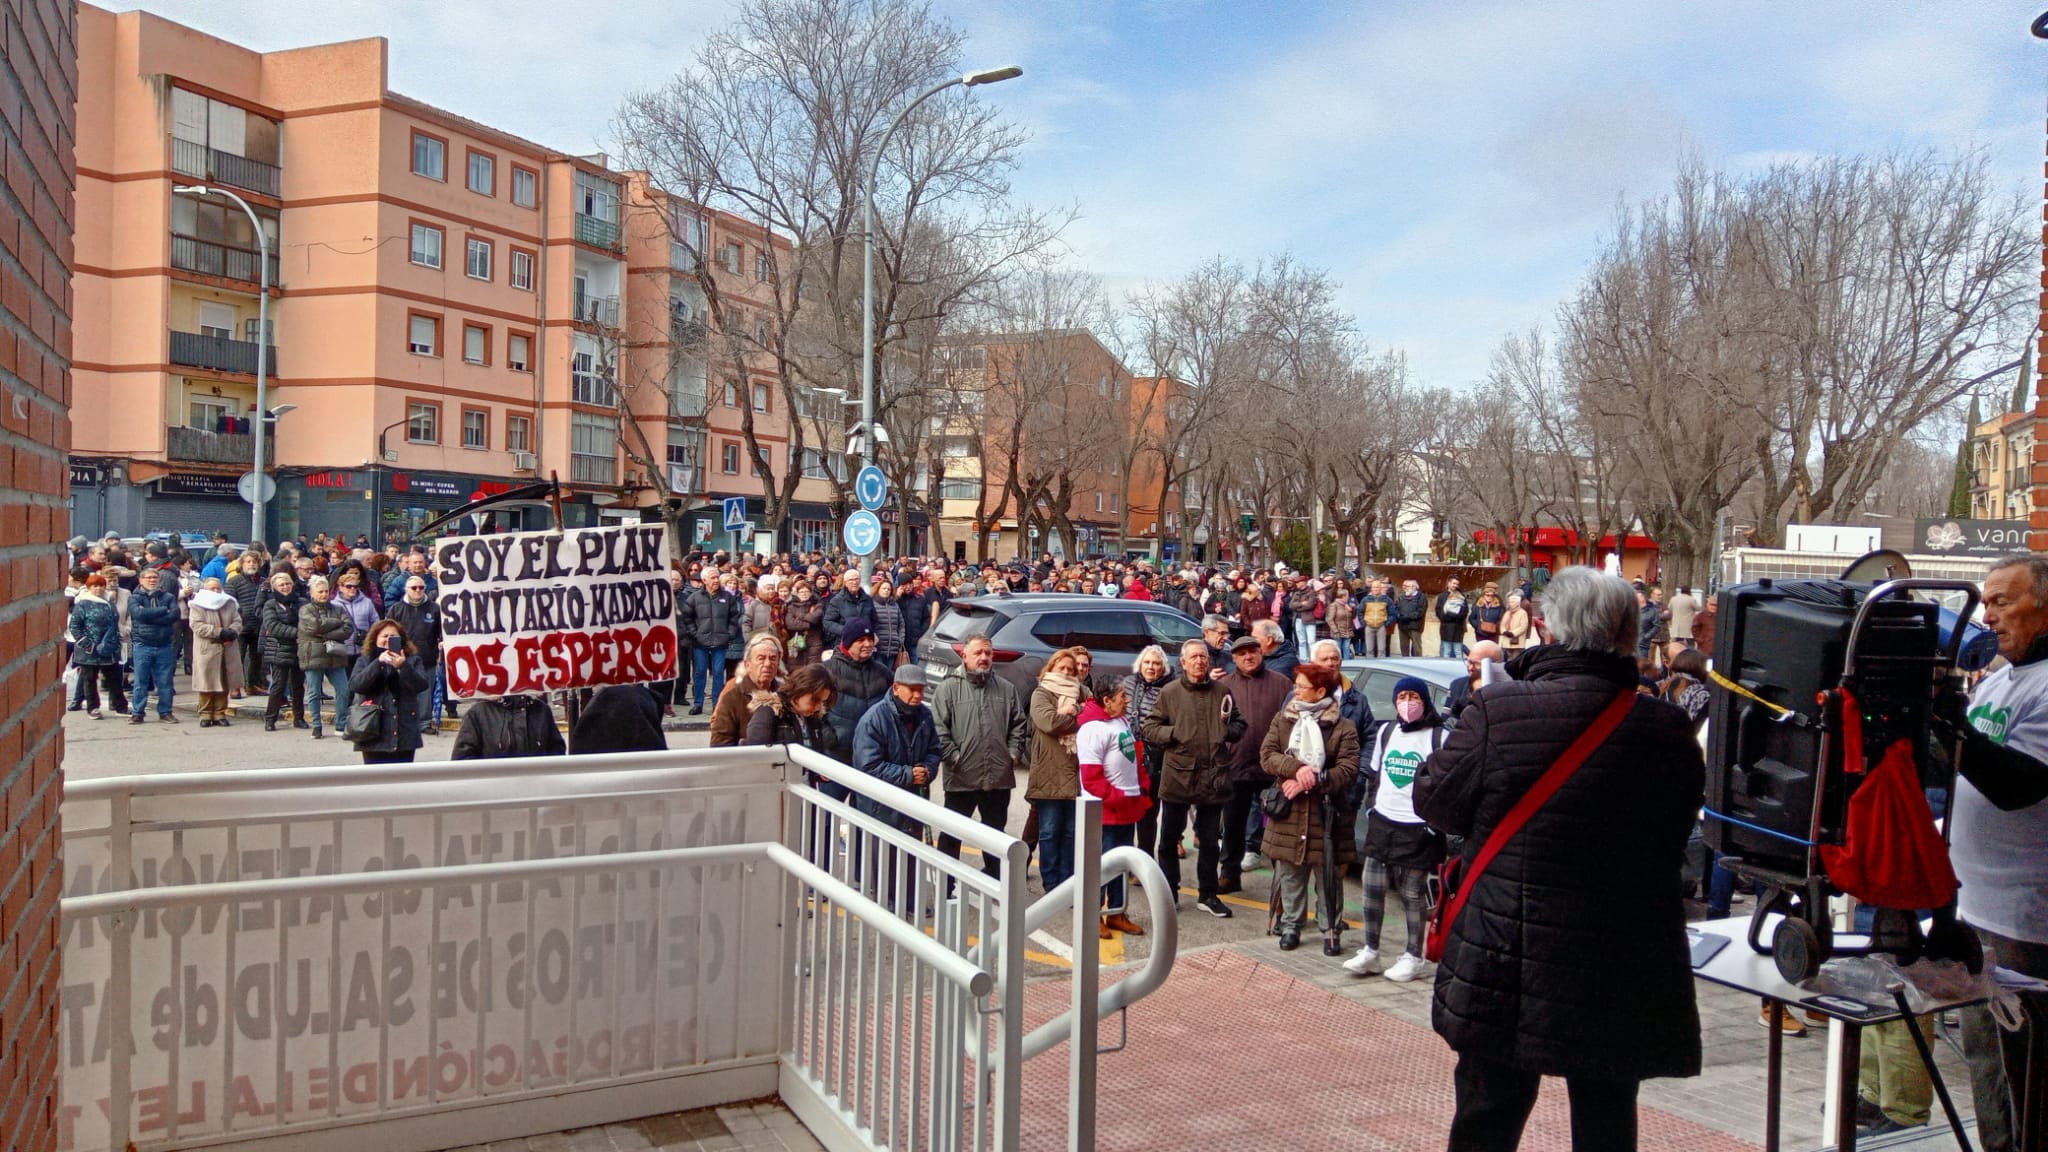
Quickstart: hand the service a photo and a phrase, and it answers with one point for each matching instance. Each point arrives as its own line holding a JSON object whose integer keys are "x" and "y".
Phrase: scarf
{"x": 208, "y": 600}
{"x": 1305, "y": 743}
{"x": 1067, "y": 688}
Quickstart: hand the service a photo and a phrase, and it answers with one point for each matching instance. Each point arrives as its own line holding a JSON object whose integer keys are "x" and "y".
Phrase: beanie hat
{"x": 856, "y": 630}
{"x": 1413, "y": 684}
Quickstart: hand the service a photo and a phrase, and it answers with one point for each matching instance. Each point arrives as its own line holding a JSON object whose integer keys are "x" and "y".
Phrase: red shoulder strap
{"x": 1592, "y": 738}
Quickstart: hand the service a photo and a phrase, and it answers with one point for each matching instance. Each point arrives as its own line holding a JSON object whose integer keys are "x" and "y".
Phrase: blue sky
{"x": 1453, "y": 164}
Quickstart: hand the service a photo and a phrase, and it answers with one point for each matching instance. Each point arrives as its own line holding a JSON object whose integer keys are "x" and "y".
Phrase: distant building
{"x": 2001, "y": 457}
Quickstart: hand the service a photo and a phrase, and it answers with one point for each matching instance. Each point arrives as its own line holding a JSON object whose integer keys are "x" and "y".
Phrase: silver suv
{"x": 1028, "y": 627}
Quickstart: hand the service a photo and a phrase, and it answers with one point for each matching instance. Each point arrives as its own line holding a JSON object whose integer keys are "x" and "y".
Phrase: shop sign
{"x": 426, "y": 487}
{"x": 485, "y": 488}
{"x": 329, "y": 479}
{"x": 1957, "y": 537}
{"x": 196, "y": 484}
{"x": 87, "y": 476}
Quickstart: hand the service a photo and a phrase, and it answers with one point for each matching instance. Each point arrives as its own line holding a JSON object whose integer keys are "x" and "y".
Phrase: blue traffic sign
{"x": 870, "y": 487}
{"x": 863, "y": 532}
{"x": 735, "y": 513}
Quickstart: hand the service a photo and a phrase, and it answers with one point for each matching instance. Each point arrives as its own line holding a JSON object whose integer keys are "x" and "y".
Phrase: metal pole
{"x": 262, "y": 346}
{"x": 1081, "y": 1042}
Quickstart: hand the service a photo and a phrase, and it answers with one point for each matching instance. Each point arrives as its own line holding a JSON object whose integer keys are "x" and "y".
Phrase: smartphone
{"x": 393, "y": 642}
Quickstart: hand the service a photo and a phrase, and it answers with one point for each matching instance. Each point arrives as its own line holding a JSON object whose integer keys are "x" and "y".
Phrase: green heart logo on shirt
{"x": 1991, "y": 722}
{"x": 1402, "y": 766}
{"x": 1126, "y": 745}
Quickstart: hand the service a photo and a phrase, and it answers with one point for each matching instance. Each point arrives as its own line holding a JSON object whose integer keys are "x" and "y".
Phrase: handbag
{"x": 1455, "y": 883}
{"x": 1275, "y": 803}
{"x": 365, "y": 722}
{"x": 335, "y": 648}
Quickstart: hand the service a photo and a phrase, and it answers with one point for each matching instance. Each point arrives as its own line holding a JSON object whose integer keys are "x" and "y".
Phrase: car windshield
{"x": 962, "y": 621}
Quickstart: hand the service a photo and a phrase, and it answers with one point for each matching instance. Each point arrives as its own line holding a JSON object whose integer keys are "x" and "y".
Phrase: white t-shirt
{"x": 1400, "y": 759}
{"x": 2002, "y": 857}
{"x": 1110, "y": 744}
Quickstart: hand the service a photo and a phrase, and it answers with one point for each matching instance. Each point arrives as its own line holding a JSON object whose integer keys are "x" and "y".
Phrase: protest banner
{"x": 547, "y": 611}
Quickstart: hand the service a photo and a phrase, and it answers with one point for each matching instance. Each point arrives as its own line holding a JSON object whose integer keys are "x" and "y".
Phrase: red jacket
{"x": 1117, "y": 808}
{"x": 1136, "y": 590}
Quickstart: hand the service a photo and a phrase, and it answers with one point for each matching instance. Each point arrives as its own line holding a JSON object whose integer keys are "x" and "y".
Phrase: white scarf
{"x": 1305, "y": 743}
{"x": 1063, "y": 688}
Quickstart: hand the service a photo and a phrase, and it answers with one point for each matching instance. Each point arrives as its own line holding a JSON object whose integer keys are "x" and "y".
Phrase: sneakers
{"x": 95, "y": 713}
{"x": 1365, "y": 963}
{"x": 1409, "y": 967}
{"x": 1214, "y": 906}
{"x": 1250, "y": 862}
{"x": 1787, "y": 1023}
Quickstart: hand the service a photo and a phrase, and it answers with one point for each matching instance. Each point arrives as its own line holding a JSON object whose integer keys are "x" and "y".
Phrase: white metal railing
{"x": 437, "y": 954}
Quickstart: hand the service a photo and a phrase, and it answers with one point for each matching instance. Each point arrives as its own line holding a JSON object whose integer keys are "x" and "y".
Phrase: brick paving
{"x": 762, "y": 1126}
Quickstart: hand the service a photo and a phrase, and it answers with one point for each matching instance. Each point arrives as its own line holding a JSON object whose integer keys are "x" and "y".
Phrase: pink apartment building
{"x": 451, "y": 305}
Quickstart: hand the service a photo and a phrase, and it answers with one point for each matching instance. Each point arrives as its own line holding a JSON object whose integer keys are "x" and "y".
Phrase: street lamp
{"x": 869, "y": 438}
{"x": 262, "y": 338}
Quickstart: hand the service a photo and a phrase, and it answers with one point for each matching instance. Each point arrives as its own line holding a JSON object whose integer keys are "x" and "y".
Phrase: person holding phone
{"x": 388, "y": 675}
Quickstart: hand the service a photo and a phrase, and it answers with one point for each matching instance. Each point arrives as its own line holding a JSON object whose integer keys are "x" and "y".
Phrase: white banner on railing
{"x": 544, "y": 611}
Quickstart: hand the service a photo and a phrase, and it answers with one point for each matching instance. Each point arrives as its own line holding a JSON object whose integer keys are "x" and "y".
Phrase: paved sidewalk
{"x": 764, "y": 1126}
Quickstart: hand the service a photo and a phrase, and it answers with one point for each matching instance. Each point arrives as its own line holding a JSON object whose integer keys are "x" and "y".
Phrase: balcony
{"x": 685, "y": 480}
{"x": 220, "y": 353}
{"x": 198, "y": 446}
{"x": 190, "y": 158}
{"x": 210, "y": 259}
{"x": 597, "y": 233}
{"x": 602, "y": 311}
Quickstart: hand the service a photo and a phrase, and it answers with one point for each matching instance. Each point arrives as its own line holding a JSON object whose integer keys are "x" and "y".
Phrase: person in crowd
{"x": 1216, "y": 634}
{"x": 803, "y": 622}
{"x": 1376, "y": 612}
{"x": 1685, "y": 682}
{"x": 387, "y": 673}
{"x": 1452, "y": 612}
{"x": 799, "y": 713}
{"x": 984, "y": 735}
{"x": 1305, "y": 607}
{"x": 1399, "y": 848}
{"x": 363, "y": 612}
{"x": 1517, "y": 626}
{"x": 1598, "y": 861}
{"x": 1650, "y": 619}
{"x": 764, "y": 610}
{"x": 1150, "y": 674}
{"x": 1351, "y": 702}
{"x": 1487, "y": 613}
{"x": 153, "y": 617}
{"x": 712, "y": 616}
{"x": 859, "y": 681}
{"x": 325, "y": 630}
{"x": 887, "y": 616}
{"x": 281, "y": 611}
{"x": 1338, "y": 617}
{"x": 1055, "y": 774}
{"x": 1310, "y": 752}
{"x": 1679, "y": 614}
{"x": 897, "y": 743}
{"x": 95, "y": 629}
{"x": 216, "y": 566}
{"x": 1191, "y": 723}
{"x": 508, "y": 726}
{"x": 1112, "y": 772}
{"x": 619, "y": 718}
{"x": 216, "y": 621}
{"x": 1273, "y": 647}
{"x": 1999, "y": 846}
{"x": 245, "y": 583}
{"x": 1411, "y": 611}
{"x": 421, "y": 619}
{"x": 758, "y": 680}
{"x": 1459, "y": 695}
{"x": 848, "y": 604}
{"x": 412, "y": 563}
{"x": 1257, "y": 693}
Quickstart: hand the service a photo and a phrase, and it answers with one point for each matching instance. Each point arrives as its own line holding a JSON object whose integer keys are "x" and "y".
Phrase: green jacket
{"x": 319, "y": 623}
{"x": 983, "y": 732}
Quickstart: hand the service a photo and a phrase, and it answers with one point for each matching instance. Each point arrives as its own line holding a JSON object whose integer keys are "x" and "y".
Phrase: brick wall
{"x": 38, "y": 87}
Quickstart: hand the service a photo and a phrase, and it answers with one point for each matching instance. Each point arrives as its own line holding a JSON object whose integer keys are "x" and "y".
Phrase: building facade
{"x": 2001, "y": 460}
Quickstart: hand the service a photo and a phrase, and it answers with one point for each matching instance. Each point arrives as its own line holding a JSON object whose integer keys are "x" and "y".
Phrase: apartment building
{"x": 454, "y": 310}
{"x": 2001, "y": 455}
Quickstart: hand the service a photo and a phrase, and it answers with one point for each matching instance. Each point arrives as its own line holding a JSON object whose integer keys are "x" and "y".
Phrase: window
{"x": 521, "y": 275}
{"x": 593, "y": 448}
{"x": 477, "y": 263}
{"x": 684, "y": 447}
{"x": 518, "y": 347}
{"x": 729, "y": 459}
{"x": 760, "y": 397}
{"x": 476, "y": 428}
{"x": 518, "y": 434}
{"x": 426, "y": 245}
{"x": 586, "y": 384}
{"x": 208, "y": 413}
{"x": 959, "y": 489}
{"x": 729, "y": 257}
{"x": 761, "y": 267}
{"x": 597, "y": 198}
{"x": 429, "y": 156}
{"x": 216, "y": 320}
{"x": 476, "y": 344}
{"x": 525, "y": 186}
{"x": 424, "y": 337}
{"x": 422, "y": 422}
{"x": 483, "y": 173}
{"x": 761, "y": 331}
{"x": 1098, "y": 501}
{"x": 732, "y": 394}
{"x": 813, "y": 464}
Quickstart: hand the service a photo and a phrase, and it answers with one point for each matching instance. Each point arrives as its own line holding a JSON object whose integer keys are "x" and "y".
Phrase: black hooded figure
{"x": 621, "y": 718}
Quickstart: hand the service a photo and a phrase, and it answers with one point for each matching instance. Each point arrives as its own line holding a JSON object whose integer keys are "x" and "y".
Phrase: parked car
{"x": 1028, "y": 627}
{"x": 1377, "y": 675}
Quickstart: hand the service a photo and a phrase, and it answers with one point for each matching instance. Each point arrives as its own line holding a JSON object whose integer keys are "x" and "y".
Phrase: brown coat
{"x": 1055, "y": 773}
{"x": 805, "y": 618}
{"x": 216, "y": 667}
{"x": 1298, "y": 837}
{"x": 735, "y": 707}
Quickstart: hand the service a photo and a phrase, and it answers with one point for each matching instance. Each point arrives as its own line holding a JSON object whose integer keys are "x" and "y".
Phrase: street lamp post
{"x": 262, "y": 345}
{"x": 869, "y": 440}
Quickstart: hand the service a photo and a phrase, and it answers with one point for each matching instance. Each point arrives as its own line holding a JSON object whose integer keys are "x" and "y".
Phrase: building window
{"x": 476, "y": 344}
{"x": 208, "y": 413}
{"x": 814, "y": 464}
{"x": 424, "y": 335}
{"x": 593, "y": 448}
{"x": 597, "y": 198}
{"x": 476, "y": 428}
{"x": 729, "y": 257}
{"x": 483, "y": 173}
{"x": 732, "y": 394}
{"x": 426, "y": 245}
{"x": 761, "y": 331}
{"x": 761, "y": 267}
{"x": 760, "y": 397}
{"x": 525, "y": 186}
{"x": 729, "y": 459}
{"x": 586, "y": 384}
{"x": 959, "y": 489}
{"x": 429, "y": 156}
{"x": 518, "y": 434}
{"x": 477, "y": 262}
{"x": 422, "y": 422}
{"x": 684, "y": 445}
{"x": 521, "y": 275}
{"x": 518, "y": 347}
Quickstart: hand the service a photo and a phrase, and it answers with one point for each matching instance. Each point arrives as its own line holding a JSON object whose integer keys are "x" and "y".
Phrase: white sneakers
{"x": 1251, "y": 861}
{"x": 1409, "y": 967}
{"x": 1366, "y": 963}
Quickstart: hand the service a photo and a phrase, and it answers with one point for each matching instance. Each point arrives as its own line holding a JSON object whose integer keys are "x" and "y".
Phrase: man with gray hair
{"x": 984, "y": 735}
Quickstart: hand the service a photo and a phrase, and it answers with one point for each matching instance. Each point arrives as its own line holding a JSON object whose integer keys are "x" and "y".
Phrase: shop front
{"x": 391, "y": 505}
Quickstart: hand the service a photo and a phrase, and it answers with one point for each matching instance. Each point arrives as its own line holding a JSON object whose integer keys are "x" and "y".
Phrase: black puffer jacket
{"x": 248, "y": 595}
{"x": 713, "y": 619}
{"x": 422, "y": 624}
{"x": 1570, "y": 955}
{"x": 857, "y": 685}
{"x": 281, "y": 629}
{"x": 398, "y": 691}
{"x": 511, "y": 726}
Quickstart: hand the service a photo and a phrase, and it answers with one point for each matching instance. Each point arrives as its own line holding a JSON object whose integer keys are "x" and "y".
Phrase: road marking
{"x": 1060, "y": 951}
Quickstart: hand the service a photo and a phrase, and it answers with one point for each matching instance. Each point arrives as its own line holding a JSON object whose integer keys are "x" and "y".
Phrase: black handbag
{"x": 365, "y": 723}
{"x": 1275, "y": 803}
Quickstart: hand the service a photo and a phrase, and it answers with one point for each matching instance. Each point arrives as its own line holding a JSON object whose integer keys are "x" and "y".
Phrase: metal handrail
{"x": 937, "y": 816}
{"x": 1159, "y": 900}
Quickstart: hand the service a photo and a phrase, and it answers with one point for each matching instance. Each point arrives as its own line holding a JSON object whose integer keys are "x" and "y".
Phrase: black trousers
{"x": 252, "y": 662}
{"x": 1237, "y": 823}
{"x": 989, "y": 805}
{"x": 1411, "y": 640}
{"x": 91, "y": 678}
{"x": 1494, "y": 1100}
{"x": 1172, "y": 819}
{"x": 1148, "y": 824}
{"x": 286, "y": 680}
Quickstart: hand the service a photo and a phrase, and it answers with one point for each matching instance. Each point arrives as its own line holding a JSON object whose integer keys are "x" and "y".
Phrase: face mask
{"x": 1409, "y": 711}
